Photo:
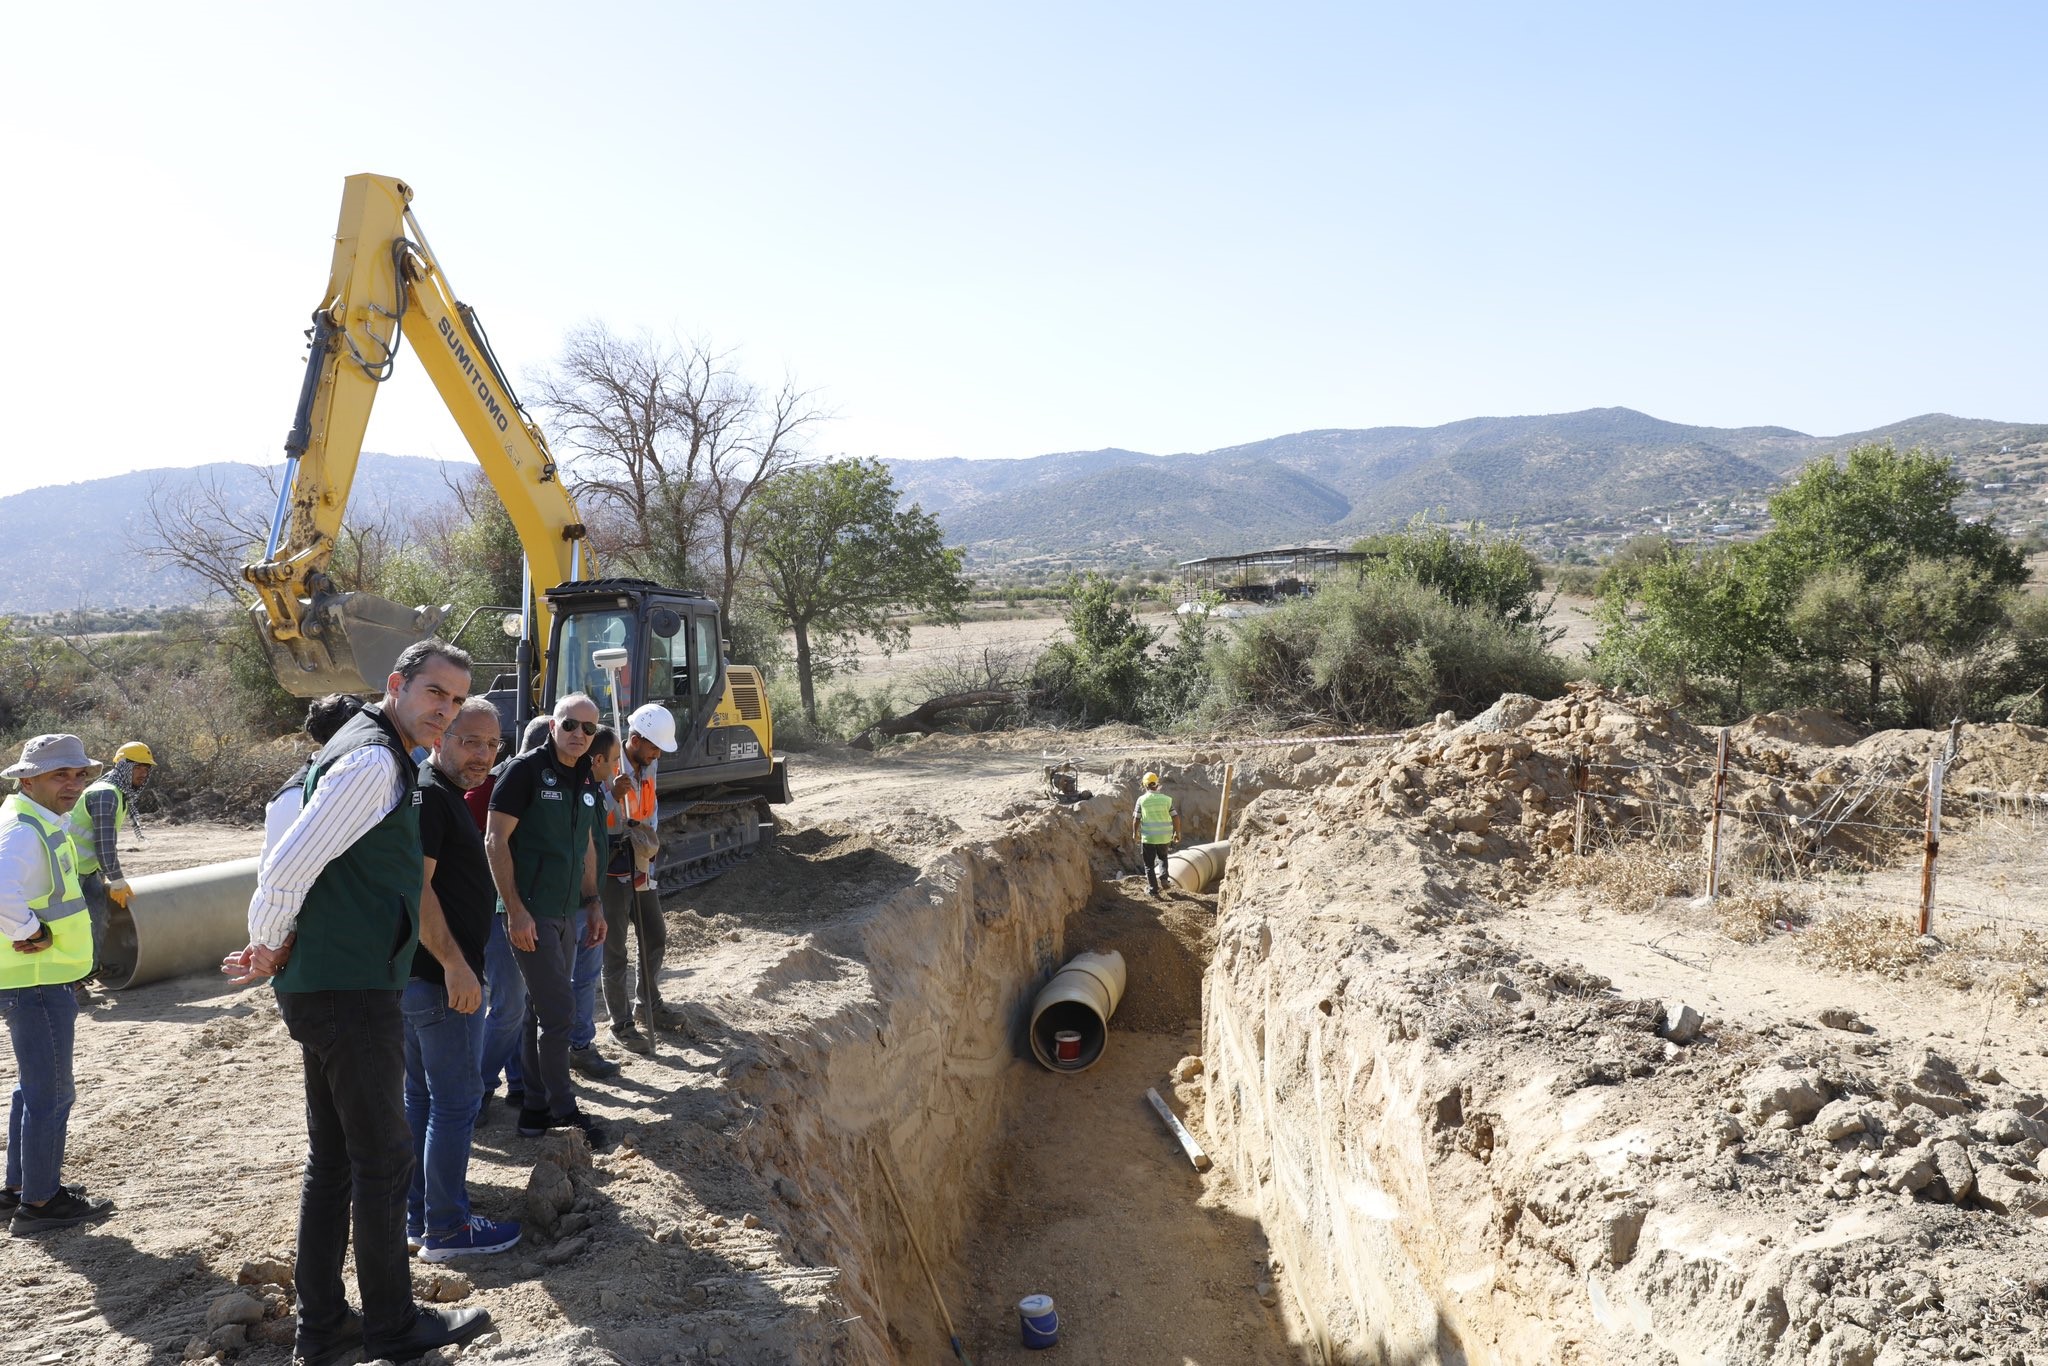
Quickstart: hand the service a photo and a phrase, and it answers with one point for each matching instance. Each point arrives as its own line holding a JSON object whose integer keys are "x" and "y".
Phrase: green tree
{"x": 1480, "y": 568}
{"x": 835, "y": 557}
{"x": 1858, "y": 557}
{"x": 1099, "y": 672}
{"x": 1868, "y": 563}
{"x": 1689, "y": 628}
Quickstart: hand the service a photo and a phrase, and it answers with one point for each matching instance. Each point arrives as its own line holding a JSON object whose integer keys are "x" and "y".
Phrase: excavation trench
{"x": 1351, "y": 1214}
{"x": 1016, "y": 1179}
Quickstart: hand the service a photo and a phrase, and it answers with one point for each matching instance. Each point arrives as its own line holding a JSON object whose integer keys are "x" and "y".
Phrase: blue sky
{"x": 999, "y": 231}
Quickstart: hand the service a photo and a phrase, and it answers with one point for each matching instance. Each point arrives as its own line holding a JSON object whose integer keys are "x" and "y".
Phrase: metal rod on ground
{"x": 1223, "y": 807}
{"x": 1180, "y": 1131}
{"x": 1714, "y": 829}
{"x": 952, "y": 1334}
{"x": 1935, "y": 771}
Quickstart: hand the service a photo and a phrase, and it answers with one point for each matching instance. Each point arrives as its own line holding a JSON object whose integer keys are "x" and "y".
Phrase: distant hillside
{"x": 1334, "y": 485}
{"x": 1604, "y": 465}
{"x": 86, "y": 548}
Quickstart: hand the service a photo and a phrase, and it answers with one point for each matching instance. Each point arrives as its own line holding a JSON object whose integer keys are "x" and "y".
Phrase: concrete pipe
{"x": 179, "y": 922}
{"x": 1079, "y": 1000}
{"x": 1198, "y": 867}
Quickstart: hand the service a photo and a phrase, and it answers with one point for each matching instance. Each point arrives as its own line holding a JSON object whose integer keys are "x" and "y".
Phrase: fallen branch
{"x": 925, "y": 718}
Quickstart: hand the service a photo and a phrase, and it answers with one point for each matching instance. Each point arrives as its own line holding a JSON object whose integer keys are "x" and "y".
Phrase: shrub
{"x": 1100, "y": 672}
{"x": 1385, "y": 652}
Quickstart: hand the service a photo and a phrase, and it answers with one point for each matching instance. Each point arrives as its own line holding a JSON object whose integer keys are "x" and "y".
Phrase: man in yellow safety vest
{"x": 1157, "y": 826}
{"x": 44, "y": 919}
{"x": 96, "y": 826}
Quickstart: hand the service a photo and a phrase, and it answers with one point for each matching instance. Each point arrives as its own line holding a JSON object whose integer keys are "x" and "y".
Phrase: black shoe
{"x": 593, "y": 1133}
{"x": 61, "y": 1210}
{"x": 534, "y": 1123}
{"x": 515, "y": 1100}
{"x": 433, "y": 1328}
{"x": 322, "y": 1349}
{"x": 11, "y": 1200}
{"x": 592, "y": 1063}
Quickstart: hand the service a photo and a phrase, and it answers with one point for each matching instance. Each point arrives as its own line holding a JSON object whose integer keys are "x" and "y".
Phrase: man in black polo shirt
{"x": 444, "y": 1018}
{"x": 334, "y": 921}
{"x": 546, "y": 816}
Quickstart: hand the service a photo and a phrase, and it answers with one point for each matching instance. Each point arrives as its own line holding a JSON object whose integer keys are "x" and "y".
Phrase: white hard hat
{"x": 655, "y": 723}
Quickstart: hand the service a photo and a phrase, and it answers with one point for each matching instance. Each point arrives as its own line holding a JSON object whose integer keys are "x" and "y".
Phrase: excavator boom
{"x": 384, "y": 286}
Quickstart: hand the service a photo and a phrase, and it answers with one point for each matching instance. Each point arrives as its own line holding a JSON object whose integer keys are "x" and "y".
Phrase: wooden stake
{"x": 952, "y": 1333}
{"x": 1936, "y": 770}
{"x": 1180, "y": 1131}
{"x": 1223, "y": 808}
{"x": 1714, "y": 830}
{"x": 1579, "y": 804}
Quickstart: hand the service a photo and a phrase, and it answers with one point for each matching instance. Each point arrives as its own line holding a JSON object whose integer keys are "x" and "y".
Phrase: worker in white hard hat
{"x": 1157, "y": 826}
{"x": 629, "y": 887}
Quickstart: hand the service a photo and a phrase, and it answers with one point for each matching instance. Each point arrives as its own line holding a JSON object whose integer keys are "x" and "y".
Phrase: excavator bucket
{"x": 348, "y": 642}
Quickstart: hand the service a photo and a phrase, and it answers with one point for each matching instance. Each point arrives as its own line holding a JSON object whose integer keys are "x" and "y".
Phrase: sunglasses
{"x": 572, "y": 725}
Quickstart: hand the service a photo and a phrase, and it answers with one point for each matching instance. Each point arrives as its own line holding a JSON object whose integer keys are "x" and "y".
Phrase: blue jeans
{"x": 40, "y": 1021}
{"x": 584, "y": 980}
{"x": 443, "y": 1090}
{"x": 505, "y": 1006}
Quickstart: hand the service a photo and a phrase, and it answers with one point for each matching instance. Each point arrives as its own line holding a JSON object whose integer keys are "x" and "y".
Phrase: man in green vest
{"x": 1157, "y": 826}
{"x": 546, "y": 826}
{"x": 96, "y": 825}
{"x": 49, "y": 933}
{"x": 335, "y": 920}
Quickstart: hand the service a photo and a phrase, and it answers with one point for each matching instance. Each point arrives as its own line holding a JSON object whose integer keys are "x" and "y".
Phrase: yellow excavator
{"x": 576, "y": 631}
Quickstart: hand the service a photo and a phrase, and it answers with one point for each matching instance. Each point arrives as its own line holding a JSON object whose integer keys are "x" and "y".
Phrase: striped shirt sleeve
{"x": 360, "y": 790}
{"x": 104, "y": 807}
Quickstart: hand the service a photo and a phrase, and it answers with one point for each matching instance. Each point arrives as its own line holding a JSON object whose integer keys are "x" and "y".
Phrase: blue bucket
{"x": 1041, "y": 1322}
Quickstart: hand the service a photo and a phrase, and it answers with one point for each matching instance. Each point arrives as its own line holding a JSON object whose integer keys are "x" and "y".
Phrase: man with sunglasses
{"x": 542, "y": 842}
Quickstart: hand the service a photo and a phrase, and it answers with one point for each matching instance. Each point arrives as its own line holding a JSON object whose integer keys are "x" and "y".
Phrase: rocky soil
{"x": 1472, "y": 1097}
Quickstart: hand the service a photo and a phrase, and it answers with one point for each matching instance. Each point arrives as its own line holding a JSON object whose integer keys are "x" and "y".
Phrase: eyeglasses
{"x": 572, "y": 725}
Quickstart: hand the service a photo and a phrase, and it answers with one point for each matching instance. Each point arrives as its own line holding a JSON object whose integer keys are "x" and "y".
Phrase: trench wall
{"x": 925, "y": 1068}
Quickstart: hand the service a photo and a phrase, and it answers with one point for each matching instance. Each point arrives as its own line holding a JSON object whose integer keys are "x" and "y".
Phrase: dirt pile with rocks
{"x": 1466, "y": 1146}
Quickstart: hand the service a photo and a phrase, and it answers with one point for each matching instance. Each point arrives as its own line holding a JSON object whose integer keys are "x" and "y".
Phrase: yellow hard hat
{"x": 136, "y": 752}
{"x": 1151, "y": 780}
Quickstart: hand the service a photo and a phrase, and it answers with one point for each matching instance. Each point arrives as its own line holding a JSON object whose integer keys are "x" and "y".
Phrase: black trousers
{"x": 358, "y": 1158}
{"x": 1156, "y": 853}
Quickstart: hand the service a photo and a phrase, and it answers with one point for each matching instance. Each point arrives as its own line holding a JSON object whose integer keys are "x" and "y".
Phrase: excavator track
{"x": 708, "y": 836}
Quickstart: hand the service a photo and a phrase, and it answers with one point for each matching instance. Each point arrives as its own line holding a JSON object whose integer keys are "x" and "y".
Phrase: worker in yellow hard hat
{"x": 102, "y": 813}
{"x": 1157, "y": 826}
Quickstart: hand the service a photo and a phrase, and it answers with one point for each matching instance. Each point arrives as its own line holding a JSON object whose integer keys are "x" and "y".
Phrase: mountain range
{"x": 1110, "y": 506}
{"x": 1333, "y": 485}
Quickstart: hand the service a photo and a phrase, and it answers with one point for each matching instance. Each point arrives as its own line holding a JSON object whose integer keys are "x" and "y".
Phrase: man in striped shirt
{"x": 335, "y": 921}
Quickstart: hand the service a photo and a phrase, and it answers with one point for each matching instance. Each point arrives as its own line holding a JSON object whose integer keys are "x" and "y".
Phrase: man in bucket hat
{"x": 43, "y": 916}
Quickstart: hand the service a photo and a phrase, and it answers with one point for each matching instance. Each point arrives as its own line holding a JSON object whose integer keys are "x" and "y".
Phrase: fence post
{"x": 1223, "y": 807}
{"x": 1714, "y": 829}
{"x": 1579, "y": 804}
{"x": 1936, "y": 770}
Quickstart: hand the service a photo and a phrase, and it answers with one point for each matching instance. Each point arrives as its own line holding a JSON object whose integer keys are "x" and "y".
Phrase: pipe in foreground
{"x": 178, "y": 923}
{"x": 1198, "y": 867}
{"x": 1079, "y": 999}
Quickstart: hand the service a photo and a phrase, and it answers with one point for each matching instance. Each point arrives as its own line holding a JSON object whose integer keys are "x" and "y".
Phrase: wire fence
{"x": 1871, "y": 836}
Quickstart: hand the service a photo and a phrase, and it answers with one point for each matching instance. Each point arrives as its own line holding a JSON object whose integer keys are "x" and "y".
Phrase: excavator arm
{"x": 385, "y": 285}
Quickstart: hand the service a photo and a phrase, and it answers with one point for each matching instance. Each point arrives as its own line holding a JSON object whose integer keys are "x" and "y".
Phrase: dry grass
{"x": 1753, "y": 909}
{"x": 1875, "y": 939}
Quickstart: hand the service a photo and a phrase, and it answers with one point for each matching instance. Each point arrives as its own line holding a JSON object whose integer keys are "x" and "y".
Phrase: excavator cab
{"x": 676, "y": 658}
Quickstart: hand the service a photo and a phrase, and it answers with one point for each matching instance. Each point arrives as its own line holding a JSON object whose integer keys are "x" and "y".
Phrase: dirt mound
{"x": 1466, "y": 1146}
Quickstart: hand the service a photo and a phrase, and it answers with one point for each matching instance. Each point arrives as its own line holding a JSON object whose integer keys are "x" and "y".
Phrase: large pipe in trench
{"x": 1198, "y": 867}
{"x": 178, "y": 923}
{"x": 1080, "y": 998}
